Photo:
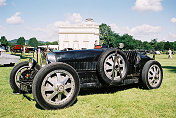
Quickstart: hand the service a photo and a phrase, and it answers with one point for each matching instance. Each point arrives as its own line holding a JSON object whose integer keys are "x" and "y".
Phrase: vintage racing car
{"x": 56, "y": 83}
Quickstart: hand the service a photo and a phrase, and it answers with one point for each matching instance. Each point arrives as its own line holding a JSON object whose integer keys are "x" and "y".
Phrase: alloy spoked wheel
{"x": 22, "y": 73}
{"x": 119, "y": 66}
{"x": 19, "y": 73}
{"x": 58, "y": 87}
{"x": 154, "y": 75}
{"x": 112, "y": 66}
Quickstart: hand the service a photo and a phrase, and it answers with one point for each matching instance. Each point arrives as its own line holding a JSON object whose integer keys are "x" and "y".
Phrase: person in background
{"x": 170, "y": 53}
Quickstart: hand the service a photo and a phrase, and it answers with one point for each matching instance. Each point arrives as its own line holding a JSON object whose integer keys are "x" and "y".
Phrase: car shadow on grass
{"x": 91, "y": 91}
{"x": 170, "y": 68}
{"x": 7, "y": 65}
{"x": 25, "y": 95}
{"x": 107, "y": 89}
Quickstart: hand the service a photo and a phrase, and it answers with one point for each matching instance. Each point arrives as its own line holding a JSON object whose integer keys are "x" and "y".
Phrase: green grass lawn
{"x": 131, "y": 102}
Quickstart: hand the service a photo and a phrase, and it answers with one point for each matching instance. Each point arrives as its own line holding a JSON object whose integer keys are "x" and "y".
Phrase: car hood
{"x": 81, "y": 55}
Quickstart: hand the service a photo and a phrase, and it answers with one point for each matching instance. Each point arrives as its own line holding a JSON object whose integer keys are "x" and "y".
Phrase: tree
{"x": 33, "y": 42}
{"x": 3, "y": 41}
{"x": 116, "y": 40}
{"x": 174, "y": 45}
{"x": 159, "y": 46}
{"x": 10, "y": 44}
{"x": 21, "y": 41}
{"x": 167, "y": 45}
{"x": 105, "y": 30}
{"x": 51, "y": 43}
{"x": 107, "y": 35}
{"x": 113, "y": 39}
{"x": 147, "y": 45}
{"x": 139, "y": 44}
{"x": 154, "y": 43}
{"x": 128, "y": 41}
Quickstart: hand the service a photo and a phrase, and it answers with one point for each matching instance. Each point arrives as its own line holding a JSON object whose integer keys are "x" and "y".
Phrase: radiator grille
{"x": 131, "y": 56}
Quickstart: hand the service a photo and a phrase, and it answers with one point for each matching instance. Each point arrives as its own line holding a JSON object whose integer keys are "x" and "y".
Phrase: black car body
{"x": 94, "y": 68}
{"x": 85, "y": 63}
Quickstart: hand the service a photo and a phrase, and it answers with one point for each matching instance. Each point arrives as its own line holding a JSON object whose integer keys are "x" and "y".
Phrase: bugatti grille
{"x": 131, "y": 57}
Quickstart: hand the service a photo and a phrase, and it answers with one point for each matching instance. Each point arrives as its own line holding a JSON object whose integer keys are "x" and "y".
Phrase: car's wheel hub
{"x": 22, "y": 74}
{"x": 58, "y": 87}
{"x": 154, "y": 75}
{"x": 119, "y": 69}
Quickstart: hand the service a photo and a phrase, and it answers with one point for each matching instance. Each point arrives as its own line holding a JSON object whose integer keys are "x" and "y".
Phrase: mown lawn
{"x": 131, "y": 102}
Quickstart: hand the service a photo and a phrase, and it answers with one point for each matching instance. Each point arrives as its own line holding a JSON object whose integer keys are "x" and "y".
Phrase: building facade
{"x": 79, "y": 36}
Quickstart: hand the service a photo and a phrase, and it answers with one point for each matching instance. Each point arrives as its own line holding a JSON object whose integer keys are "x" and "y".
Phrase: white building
{"x": 79, "y": 36}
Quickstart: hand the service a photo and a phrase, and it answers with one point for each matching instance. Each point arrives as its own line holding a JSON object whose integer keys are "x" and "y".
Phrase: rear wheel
{"x": 152, "y": 75}
{"x": 56, "y": 86}
{"x": 18, "y": 73}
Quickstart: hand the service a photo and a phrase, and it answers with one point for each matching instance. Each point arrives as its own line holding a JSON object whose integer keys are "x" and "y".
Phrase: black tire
{"x": 152, "y": 81}
{"x": 41, "y": 77}
{"x": 101, "y": 71}
{"x": 12, "y": 80}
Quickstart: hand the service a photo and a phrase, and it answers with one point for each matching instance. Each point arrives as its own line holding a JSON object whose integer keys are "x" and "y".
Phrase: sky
{"x": 143, "y": 19}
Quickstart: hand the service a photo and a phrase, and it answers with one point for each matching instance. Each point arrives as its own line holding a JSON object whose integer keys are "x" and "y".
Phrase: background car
{"x": 157, "y": 52}
{"x": 7, "y": 59}
{"x": 16, "y": 48}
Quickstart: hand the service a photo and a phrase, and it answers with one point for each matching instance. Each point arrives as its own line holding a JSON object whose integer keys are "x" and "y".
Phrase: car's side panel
{"x": 80, "y": 60}
{"x": 85, "y": 63}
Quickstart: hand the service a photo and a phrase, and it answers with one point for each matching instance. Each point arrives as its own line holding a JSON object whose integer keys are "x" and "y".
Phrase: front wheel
{"x": 152, "y": 75}
{"x": 56, "y": 86}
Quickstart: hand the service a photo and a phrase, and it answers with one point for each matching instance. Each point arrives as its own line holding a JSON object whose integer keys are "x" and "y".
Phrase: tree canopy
{"x": 21, "y": 41}
{"x": 51, "y": 43}
{"x": 112, "y": 39}
{"x": 3, "y": 41}
{"x": 33, "y": 42}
